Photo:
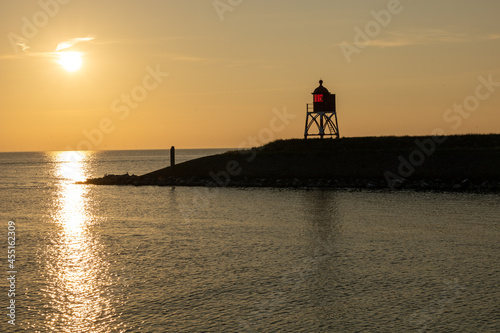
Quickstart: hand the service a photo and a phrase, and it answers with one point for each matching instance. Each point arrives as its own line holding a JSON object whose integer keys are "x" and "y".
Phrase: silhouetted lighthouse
{"x": 321, "y": 117}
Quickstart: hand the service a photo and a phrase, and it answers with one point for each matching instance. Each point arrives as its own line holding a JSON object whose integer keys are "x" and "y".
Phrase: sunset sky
{"x": 239, "y": 69}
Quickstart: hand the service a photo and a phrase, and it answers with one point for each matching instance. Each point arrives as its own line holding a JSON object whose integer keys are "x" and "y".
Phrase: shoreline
{"x": 437, "y": 185}
{"x": 468, "y": 163}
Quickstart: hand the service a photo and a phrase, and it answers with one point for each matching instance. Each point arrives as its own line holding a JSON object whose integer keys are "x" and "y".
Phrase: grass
{"x": 459, "y": 157}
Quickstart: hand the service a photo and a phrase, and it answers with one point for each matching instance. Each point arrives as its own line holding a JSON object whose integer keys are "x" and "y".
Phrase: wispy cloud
{"x": 424, "y": 36}
{"x": 139, "y": 42}
{"x": 69, "y": 43}
{"x": 151, "y": 40}
{"x": 429, "y": 36}
{"x": 191, "y": 58}
{"x": 23, "y": 44}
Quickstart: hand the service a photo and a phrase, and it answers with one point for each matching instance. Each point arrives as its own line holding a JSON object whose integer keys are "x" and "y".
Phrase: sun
{"x": 70, "y": 61}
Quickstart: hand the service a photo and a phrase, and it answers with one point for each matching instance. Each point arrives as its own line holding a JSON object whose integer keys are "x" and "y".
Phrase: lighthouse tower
{"x": 321, "y": 116}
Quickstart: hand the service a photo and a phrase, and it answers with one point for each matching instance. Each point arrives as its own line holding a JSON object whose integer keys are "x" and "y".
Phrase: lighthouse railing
{"x": 310, "y": 107}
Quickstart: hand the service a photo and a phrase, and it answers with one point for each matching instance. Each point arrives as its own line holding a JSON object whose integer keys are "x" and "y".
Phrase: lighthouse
{"x": 321, "y": 115}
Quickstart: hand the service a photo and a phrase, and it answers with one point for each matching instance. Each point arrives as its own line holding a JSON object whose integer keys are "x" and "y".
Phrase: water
{"x": 162, "y": 259}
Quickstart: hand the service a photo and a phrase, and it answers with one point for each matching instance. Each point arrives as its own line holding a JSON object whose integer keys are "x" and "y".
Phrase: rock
{"x": 424, "y": 185}
{"x": 296, "y": 182}
{"x": 398, "y": 184}
{"x": 321, "y": 183}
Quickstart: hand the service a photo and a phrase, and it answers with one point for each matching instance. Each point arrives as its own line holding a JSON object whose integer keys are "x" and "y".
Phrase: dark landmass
{"x": 454, "y": 163}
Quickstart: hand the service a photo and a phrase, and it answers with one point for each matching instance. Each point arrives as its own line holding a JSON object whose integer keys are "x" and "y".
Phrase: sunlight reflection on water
{"x": 78, "y": 275}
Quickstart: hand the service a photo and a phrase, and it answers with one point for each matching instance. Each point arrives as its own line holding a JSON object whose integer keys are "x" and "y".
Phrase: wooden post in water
{"x": 172, "y": 156}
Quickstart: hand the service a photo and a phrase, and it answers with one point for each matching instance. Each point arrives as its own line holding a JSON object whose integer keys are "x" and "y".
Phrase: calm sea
{"x": 178, "y": 259}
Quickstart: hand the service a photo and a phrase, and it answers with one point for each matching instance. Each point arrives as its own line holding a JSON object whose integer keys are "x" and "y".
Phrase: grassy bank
{"x": 381, "y": 161}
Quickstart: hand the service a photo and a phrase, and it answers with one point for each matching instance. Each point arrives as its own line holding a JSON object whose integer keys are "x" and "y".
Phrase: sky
{"x": 151, "y": 74}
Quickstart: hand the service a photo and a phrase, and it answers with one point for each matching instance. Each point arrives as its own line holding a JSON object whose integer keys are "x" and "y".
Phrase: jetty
{"x": 447, "y": 163}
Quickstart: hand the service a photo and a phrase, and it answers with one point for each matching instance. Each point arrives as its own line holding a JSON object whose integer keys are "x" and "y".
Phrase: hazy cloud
{"x": 23, "y": 44}
{"x": 428, "y": 36}
{"x": 72, "y": 42}
{"x": 423, "y": 36}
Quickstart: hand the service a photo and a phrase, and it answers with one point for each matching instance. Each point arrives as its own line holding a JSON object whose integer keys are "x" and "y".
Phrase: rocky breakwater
{"x": 465, "y": 185}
